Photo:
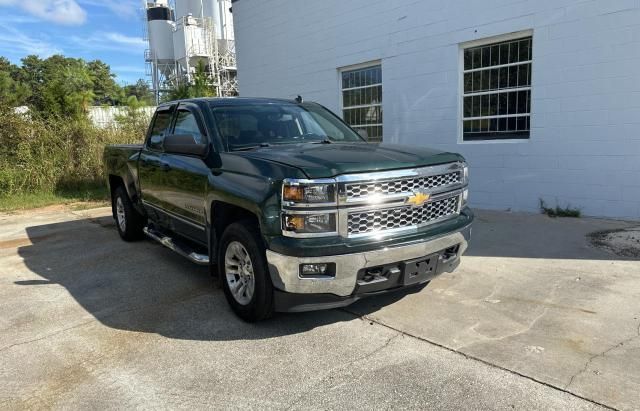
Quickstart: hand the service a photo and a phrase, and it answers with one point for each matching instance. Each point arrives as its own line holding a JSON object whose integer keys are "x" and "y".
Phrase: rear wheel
{"x": 243, "y": 268}
{"x": 128, "y": 221}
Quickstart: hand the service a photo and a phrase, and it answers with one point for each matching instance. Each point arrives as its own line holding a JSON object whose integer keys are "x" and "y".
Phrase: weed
{"x": 47, "y": 160}
{"x": 558, "y": 211}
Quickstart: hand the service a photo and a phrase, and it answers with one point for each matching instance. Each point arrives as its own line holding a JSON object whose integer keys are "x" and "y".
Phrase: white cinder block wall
{"x": 584, "y": 147}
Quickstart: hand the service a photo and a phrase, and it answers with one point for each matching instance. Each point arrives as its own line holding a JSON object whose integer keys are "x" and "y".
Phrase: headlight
{"x": 321, "y": 223}
{"x": 465, "y": 173}
{"x": 309, "y": 193}
{"x": 309, "y": 208}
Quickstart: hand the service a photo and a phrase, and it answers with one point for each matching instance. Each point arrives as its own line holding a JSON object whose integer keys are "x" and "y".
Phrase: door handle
{"x": 165, "y": 167}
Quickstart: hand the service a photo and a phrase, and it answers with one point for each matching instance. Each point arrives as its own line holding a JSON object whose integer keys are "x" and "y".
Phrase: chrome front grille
{"x": 385, "y": 203}
{"x": 361, "y": 190}
{"x": 372, "y": 221}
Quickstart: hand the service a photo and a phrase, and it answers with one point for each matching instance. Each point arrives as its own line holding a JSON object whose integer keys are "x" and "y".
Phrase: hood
{"x": 329, "y": 160}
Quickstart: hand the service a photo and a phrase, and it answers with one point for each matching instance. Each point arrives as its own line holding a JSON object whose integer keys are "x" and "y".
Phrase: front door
{"x": 186, "y": 178}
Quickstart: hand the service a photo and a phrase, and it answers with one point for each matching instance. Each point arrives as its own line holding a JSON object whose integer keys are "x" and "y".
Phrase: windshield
{"x": 257, "y": 125}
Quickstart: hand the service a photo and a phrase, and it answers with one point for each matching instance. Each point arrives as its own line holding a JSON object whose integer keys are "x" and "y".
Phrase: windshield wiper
{"x": 320, "y": 139}
{"x": 247, "y": 148}
{"x": 326, "y": 140}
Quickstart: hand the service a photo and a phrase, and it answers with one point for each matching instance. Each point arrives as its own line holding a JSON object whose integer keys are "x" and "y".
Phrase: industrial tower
{"x": 183, "y": 34}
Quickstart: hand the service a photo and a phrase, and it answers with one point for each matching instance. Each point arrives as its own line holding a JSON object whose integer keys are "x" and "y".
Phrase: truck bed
{"x": 121, "y": 160}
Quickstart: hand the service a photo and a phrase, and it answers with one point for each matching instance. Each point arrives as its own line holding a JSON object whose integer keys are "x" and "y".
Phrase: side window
{"x": 186, "y": 124}
{"x": 160, "y": 124}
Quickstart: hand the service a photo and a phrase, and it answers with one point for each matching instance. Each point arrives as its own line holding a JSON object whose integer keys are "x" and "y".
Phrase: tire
{"x": 128, "y": 221}
{"x": 242, "y": 265}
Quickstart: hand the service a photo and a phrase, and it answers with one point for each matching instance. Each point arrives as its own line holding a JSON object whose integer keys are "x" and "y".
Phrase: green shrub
{"x": 558, "y": 211}
{"x": 56, "y": 154}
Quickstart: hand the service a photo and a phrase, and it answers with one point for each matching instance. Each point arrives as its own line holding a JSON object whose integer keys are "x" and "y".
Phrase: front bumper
{"x": 344, "y": 288}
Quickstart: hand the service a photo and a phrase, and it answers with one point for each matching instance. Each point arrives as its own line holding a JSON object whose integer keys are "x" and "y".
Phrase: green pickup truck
{"x": 289, "y": 207}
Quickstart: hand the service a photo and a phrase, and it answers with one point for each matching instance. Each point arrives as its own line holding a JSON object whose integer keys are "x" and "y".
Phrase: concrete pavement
{"x": 535, "y": 318}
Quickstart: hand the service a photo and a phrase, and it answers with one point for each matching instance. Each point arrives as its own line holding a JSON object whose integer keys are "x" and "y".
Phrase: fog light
{"x": 313, "y": 269}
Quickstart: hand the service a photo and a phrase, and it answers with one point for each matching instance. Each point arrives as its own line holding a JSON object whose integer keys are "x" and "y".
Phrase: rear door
{"x": 185, "y": 180}
{"x": 152, "y": 168}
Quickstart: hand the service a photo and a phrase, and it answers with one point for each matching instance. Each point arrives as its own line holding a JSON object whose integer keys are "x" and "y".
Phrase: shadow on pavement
{"x": 143, "y": 287}
{"x": 524, "y": 235}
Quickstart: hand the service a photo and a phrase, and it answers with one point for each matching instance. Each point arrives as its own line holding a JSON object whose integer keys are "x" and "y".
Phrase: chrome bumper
{"x": 285, "y": 269}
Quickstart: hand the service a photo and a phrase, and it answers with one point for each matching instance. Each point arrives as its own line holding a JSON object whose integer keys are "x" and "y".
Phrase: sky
{"x": 109, "y": 30}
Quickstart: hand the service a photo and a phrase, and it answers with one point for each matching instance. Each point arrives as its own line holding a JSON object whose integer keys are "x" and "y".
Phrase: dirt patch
{"x": 87, "y": 205}
{"x": 625, "y": 242}
{"x": 62, "y": 207}
{"x": 45, "y": 209}
{"x": 25, "y": 241}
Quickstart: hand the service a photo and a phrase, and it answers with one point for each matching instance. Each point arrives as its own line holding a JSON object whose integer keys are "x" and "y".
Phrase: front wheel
{"x": 243, "y": 267}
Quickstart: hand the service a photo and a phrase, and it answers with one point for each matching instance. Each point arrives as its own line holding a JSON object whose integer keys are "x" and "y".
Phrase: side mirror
{"x": 363, "y": 133}
{"x": 184, "y": 144}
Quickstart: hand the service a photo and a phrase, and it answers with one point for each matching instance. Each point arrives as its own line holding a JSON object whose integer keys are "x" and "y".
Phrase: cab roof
{"x": 229, "y": 101}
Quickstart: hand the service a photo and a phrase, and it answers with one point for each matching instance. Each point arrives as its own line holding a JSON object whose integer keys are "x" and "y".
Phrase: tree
{"x": 179, "y": 92}
{"x": 8, "y": 67}
{"x": 62, "y": 86}
{"x": 201, "y": 82}
{"x": 141, "y": 91}
{"x": 68, "y": 91}
{"x": 200, "y": 86}
{"x": 32, "y": 74}
{"x": 105, "y": 88}
{"x": 13, "y": 92}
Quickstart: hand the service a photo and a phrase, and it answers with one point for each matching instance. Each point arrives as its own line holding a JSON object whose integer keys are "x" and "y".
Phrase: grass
{"x": 77, "y": 198}
{"x": 558, "y": 211}
{"x": 56, "y": 160}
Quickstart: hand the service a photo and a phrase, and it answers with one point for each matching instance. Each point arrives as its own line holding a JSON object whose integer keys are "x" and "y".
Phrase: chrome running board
{"x": 200, "y": 259}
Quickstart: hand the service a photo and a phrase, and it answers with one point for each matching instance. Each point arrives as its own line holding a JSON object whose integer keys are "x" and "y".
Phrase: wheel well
{"x": 225, "y": 214}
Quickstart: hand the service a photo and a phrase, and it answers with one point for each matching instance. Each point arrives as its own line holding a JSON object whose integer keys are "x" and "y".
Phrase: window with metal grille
{"x": 496, "y": 100}
{"x": 362, "y": 100}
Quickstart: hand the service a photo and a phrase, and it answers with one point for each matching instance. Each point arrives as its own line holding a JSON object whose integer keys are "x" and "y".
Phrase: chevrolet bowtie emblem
{"x": 417, "y": 199}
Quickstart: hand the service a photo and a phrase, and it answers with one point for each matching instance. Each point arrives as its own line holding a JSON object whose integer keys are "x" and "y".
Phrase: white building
{"x": 541, "y": 96}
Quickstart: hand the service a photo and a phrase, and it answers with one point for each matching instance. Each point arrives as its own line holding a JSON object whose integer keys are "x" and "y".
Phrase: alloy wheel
{"x": 239, "y": 272}
{"x": 120, "y": 214}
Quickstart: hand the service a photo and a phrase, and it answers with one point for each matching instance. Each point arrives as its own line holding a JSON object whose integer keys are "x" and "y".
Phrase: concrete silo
{"x": 184, "y": 34}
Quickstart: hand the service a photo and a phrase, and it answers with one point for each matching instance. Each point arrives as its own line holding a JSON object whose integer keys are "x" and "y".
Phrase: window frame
{"x": 186, "y": 109}
{"x": 484, "y": 42}
{"x": 361, "y": 66}
{"x": 162, "y": 109}
{"x": 194, "y": 110}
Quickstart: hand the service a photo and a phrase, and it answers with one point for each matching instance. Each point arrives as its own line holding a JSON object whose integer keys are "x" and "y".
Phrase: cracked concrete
{"x": 535, "y": 297}
{"x": 343, "y": 368}
{"x": 602, "y": 354}
{"x": 89, "y": 321}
